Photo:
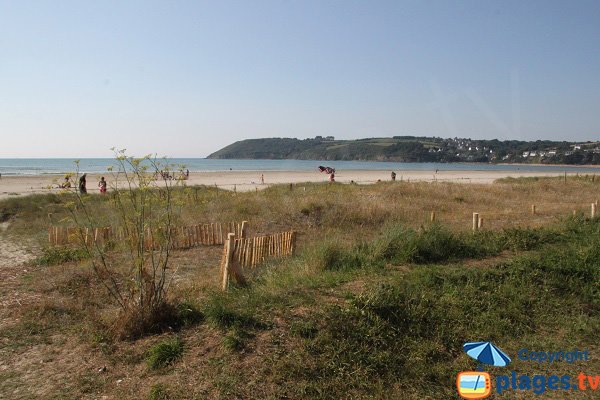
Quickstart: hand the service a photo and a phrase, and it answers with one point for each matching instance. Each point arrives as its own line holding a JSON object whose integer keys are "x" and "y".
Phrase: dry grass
{"x": 55, "y": 342}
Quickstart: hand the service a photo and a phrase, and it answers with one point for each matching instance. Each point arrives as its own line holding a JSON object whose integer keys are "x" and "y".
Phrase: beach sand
{"x": 13, "y": 186}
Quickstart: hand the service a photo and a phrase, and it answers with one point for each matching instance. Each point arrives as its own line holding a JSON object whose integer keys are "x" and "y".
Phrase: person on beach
{"x": 66, "y": 184}
{"x": 102, "y": 185}
{"x": 82, "y": 184}
{"x": 393, "y": 176}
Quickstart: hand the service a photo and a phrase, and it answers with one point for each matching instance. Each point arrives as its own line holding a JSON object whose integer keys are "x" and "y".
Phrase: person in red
{"x": 102, "y": 185}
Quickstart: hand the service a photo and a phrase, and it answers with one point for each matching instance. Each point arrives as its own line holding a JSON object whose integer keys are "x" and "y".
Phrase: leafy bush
{"x": 60, "y": 255}
{"x": 164, "y": 353}
{"x": 518, "y": 239}
{"x": 136, "y": 322}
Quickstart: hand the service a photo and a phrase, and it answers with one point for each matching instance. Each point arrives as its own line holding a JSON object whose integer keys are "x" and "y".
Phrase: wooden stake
{"x": 475, "y": 221}
{"x": 228, "y": 260}
{"x": 243, "y": 229}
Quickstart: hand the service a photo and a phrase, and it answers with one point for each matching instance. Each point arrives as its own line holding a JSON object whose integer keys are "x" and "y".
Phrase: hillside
{"x": 414, "y": 149}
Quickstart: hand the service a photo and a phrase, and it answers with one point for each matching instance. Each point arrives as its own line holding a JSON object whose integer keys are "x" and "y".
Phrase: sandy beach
{"x": 13, "y": 186}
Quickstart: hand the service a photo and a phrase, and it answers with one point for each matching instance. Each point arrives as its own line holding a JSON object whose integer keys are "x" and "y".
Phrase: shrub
{"x": 518, "y": 239}
{"x": 333, "y": 256}
{"x": 136, "y": 322}
{"x": 164, "y": 353}
{"x": 60, "y": 255}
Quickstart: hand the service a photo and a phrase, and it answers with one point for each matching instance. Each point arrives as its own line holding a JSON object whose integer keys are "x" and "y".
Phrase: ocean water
{"x": 42, "y": 166}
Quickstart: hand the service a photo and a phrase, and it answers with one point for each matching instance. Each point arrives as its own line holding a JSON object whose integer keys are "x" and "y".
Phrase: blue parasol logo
{"x": 486, "y": 353}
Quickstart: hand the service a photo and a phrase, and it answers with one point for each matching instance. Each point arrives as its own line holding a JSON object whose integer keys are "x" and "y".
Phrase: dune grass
{"x": 377, "y": 300}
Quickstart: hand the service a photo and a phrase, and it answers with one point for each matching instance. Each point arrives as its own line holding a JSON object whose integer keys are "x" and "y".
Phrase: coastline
{"x": 14, "y": 186}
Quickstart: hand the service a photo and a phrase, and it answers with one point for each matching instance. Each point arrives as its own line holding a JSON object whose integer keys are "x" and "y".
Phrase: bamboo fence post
{"x": 246, "y": 252}
{"x": 249, "y": 255}
{"x": 252, "y": 252}
{"x": 279, "y": 237}
{"x": 261, "y": 254}
{"x": 228, "y": 260}
{"x": 243, "y": 229}
{"x": 272, "y": 239}
{"x": 475, "y": 221}
{"x": 238, "y": 249}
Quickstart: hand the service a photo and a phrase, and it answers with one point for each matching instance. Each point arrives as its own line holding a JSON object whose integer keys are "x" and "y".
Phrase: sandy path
{"x": 13, "y": 259}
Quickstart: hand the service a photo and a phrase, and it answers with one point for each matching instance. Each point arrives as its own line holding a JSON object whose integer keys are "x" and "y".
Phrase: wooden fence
{"x": 249, "y": 252}
{"x": 183, "y": 237}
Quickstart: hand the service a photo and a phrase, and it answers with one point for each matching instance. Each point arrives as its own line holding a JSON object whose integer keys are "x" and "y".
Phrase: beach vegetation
{"x": 377, "y": 297}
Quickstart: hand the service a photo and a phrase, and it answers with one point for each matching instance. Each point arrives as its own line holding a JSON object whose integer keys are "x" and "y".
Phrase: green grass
{"x": 164, "y": 353}
{"x": 376, "y": 299}
{"x": 158, "y": 392}
{"x": 60, "y": 255}
{"x": 410, "y": 327}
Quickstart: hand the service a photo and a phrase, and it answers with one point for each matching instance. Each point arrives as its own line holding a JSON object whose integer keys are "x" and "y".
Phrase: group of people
{"x": 82, "y": 184}
{"x": 185, "y": 175}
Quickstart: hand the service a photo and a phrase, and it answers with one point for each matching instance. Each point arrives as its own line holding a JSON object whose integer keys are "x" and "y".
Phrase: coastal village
{"x": 516, "y": 151}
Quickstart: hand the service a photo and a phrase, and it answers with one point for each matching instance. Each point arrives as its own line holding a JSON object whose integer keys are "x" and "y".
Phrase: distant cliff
{"x": 414, "y": 149}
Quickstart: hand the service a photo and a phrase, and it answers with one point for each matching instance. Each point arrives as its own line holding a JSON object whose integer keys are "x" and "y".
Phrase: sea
{"x": 58, "y": 166}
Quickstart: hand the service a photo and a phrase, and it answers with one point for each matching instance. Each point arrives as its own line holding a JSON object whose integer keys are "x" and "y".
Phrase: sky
{"x": 185, "y": 78}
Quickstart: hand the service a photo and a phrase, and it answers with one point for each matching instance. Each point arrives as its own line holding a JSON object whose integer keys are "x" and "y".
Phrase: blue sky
{"x": 185, "y": 78}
